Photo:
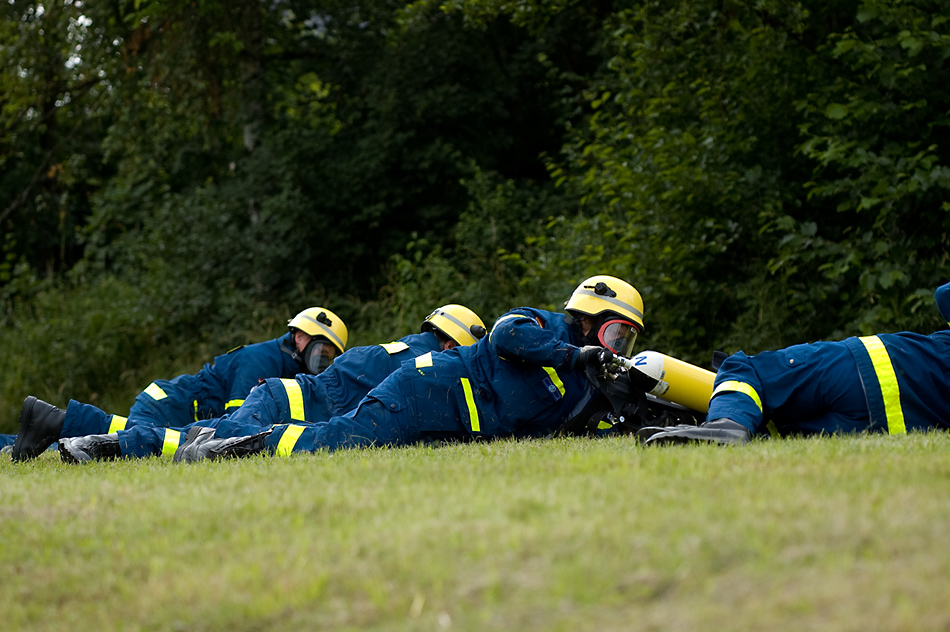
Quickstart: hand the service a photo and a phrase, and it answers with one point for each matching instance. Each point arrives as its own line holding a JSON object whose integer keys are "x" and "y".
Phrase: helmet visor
{"x": 318, "y": 355}
{"x": 618, "y": 336}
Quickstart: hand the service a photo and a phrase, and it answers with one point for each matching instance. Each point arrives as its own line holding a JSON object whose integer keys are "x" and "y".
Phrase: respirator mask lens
{"x": 618, "y": 336}
{"x": 318, "y": 355}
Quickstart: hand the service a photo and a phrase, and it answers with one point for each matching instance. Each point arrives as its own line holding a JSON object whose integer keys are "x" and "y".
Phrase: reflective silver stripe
{"x": 615, "y": 301}
{"x": 326, "y": 330}
{"x": 890, "y": 390}
{"x": 448, "y": 316}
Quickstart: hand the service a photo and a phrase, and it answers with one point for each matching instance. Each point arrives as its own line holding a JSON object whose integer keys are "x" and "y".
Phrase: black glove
{"x": 592, "y": 357}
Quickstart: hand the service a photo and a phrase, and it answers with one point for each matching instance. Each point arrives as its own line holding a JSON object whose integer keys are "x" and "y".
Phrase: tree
{"x": 876, "y": 127}
{"x": 685, "y": 161}
{"x": 749, "y": 167}
{"x": 56, "y": 74}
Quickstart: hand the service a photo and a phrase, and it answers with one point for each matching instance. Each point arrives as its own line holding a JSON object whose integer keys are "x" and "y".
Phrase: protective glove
{"x": 593, "y": 357}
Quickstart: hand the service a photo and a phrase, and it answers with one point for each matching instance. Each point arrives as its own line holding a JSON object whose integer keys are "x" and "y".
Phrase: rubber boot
{"x": 644, "y": 434}
{"x": 90, "y": 448}
{"x": 200, "y": 444}
{"x": 723, "y": 431}
{"x": 40, "y": 427}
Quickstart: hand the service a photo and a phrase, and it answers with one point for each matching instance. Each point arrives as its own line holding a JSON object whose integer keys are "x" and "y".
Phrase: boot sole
{"x": 722, "y": 437}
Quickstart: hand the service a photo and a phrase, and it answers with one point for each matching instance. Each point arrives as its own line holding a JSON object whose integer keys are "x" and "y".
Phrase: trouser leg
{"x": 267, "y": 405}
{"x": 85, "y": 419}
{"x": 143, "y": 441}
{"x": 373, "y": 423}
{"x": 806, "y": 389}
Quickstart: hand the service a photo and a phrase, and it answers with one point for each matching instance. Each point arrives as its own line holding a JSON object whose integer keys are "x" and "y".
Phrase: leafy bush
{"x": 102, "y": 343}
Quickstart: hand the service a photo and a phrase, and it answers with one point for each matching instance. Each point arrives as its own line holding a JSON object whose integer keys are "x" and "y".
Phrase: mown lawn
{"x": 822, "y": 534}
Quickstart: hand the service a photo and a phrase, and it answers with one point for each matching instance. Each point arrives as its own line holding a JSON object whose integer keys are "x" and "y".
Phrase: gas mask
{"x": 616, "y": 334}
{"x": 316, "y": 356}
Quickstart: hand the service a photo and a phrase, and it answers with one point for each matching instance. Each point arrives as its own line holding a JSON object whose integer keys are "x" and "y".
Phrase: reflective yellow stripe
{"x": 289, "y": 439}
{"x": 295, "y": 397}
{"x": 117, "y": 424}
{"x": 555, "y": 378}
{"x": 424, "y": 360}
{"x": 604, "y": 425}
{"x": 170, "y": 445}
{"x": 234, "y": 403}
{"x": 155, "y": 391}
{"x": 394, "y": 347}
{"x": 886, "y": 377}
{"x": 739, "y": 387}
{"x": 470, "y": 402}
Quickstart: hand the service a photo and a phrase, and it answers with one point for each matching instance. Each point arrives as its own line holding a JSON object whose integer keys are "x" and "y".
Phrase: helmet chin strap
{"x": 296, "y": 355}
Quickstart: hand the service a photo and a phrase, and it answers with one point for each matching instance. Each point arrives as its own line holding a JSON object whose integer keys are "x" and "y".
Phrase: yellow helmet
{"x": 319, "y": 321}
{"x": 457, "y": 322}
{"x": 603, "y": 293}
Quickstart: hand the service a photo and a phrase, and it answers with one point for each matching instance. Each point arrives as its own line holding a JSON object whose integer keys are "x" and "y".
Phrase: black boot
{"x": 90, "y": 448}
{"x": 40, "y": 427}
{"x": 644, "y": 434}
{"x": 193, "y": 449}
{"x": 723, "y": 431}
{"x": 200, "y": 444}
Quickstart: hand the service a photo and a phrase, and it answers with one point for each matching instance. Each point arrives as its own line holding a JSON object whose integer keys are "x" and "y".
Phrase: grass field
{"x": 822, "y": 534}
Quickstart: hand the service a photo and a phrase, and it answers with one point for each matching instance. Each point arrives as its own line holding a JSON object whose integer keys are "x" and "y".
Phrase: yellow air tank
{"x": 679, "y": 382}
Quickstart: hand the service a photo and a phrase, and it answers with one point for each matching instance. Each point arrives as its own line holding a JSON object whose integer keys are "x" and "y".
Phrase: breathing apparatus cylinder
{"x": 679, "y": 382}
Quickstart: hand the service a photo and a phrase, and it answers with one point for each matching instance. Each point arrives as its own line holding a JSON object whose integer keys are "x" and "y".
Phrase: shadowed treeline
{"x": 177, "y": 177}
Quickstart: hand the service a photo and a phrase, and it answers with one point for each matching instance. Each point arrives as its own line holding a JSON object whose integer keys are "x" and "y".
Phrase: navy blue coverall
{"x": 218, "y": 388}
{"x": 888, "y": 383}
{"x": 517, "y": 382}
{"x": 305, "y": 397}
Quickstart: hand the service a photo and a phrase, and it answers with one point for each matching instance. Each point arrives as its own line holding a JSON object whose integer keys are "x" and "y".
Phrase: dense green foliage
{"x": 177, "y": 177}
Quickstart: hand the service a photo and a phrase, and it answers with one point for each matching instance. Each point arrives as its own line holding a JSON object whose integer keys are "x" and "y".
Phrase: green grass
{"x": 823, "y": 534}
